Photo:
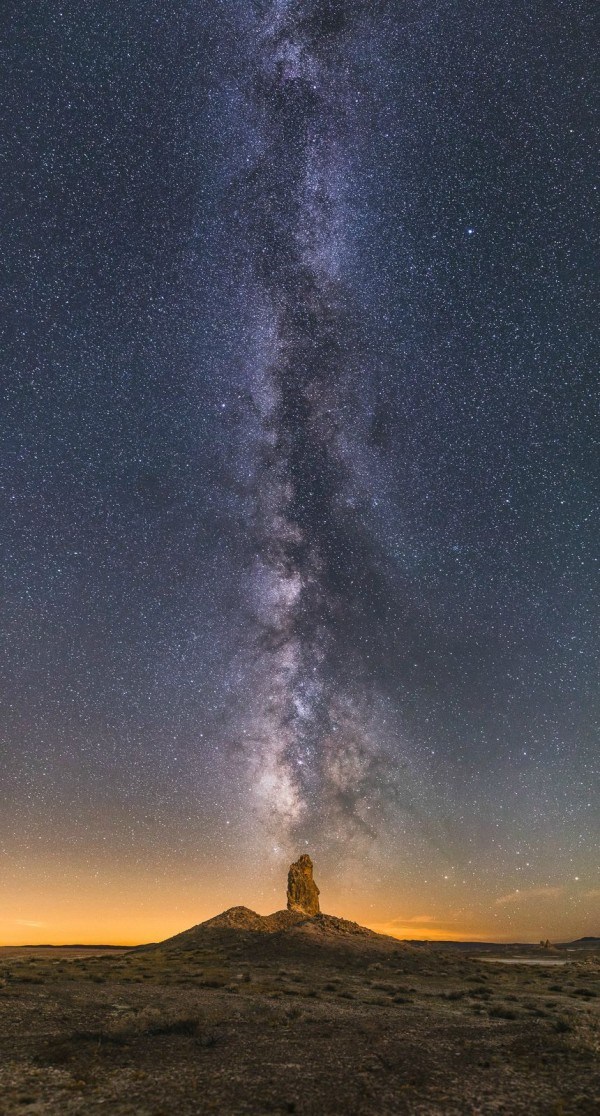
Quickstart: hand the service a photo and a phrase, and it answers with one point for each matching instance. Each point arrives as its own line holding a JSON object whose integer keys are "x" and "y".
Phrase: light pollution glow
{"x": 76, "y": 906}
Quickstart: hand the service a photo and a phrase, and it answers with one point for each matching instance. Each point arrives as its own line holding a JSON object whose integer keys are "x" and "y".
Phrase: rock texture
{"x": 302, "y": 891}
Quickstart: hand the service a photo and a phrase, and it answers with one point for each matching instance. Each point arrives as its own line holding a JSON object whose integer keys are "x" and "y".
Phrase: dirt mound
{"x": 235, "y": 918}
{"x": 242, "y": 918}
{"x": 236, "y": 922}
{"x": 242, "y": 931}
{"x": 325, "y": 938}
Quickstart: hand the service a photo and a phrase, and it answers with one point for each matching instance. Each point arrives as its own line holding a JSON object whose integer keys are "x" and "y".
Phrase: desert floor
{"x": 271, "y": 1024}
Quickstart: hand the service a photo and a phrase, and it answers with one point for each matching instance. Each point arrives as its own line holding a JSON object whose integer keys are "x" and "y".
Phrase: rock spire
{"x": 302, "y": 891}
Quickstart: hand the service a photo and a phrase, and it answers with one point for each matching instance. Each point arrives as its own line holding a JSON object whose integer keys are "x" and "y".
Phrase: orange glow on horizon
{"x": 124, "y": 925}
{"x": 64, "y": 902}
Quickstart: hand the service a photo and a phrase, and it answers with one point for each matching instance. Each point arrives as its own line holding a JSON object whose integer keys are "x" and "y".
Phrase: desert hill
{"x": 246, "y": 924}
{"x": 300, "y": 929}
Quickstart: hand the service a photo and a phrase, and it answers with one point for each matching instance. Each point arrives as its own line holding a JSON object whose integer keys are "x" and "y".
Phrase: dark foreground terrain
{"x": 310, "y": 1018}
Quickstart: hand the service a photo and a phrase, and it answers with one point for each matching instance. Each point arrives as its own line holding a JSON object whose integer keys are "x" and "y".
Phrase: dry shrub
{"x": 152, "y": 1021}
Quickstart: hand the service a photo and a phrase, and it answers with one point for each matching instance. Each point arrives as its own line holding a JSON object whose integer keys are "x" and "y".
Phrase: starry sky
{"x": 299, "y": 481}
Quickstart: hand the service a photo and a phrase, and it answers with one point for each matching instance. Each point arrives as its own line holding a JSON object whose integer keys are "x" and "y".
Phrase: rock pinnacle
{"x": 302, "y": 891}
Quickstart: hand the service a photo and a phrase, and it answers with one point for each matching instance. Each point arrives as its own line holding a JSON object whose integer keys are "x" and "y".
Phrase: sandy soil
{"x": 290, "y": 1023}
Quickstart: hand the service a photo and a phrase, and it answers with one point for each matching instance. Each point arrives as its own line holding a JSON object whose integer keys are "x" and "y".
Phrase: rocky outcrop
{"x": 302, "y": 891}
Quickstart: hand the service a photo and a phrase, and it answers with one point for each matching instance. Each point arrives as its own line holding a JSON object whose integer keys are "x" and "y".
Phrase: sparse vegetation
{"x": 500, "y": 1011}
{"x": 144, "y": 1031}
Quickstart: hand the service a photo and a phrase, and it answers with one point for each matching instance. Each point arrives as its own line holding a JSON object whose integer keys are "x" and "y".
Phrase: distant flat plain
{"x": 240, "y": 1023}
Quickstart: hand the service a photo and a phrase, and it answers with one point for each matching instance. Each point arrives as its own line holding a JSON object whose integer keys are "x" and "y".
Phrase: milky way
{"x": 317, "y": 734}
{"x": 299, "y": 477}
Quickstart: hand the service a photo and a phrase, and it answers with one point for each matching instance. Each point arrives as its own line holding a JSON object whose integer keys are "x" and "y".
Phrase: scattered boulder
{"x": 302, "y": 891}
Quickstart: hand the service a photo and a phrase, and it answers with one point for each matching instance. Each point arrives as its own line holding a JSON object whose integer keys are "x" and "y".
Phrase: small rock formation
{"x": 302, "y": 891}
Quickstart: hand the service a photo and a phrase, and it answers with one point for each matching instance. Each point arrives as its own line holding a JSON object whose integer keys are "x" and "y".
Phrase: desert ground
{"x": 316, "y": 1017}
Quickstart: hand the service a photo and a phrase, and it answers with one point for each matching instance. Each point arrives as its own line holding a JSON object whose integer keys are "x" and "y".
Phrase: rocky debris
{"x": 302, "y": 891}
{"x": 241, "y": 918}
{"x": 327, "y": 925}
{"x": 236, "y": 918}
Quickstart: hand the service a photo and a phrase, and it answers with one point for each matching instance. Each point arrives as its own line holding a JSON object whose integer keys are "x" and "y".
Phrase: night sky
{"x": 299, "y": 473}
